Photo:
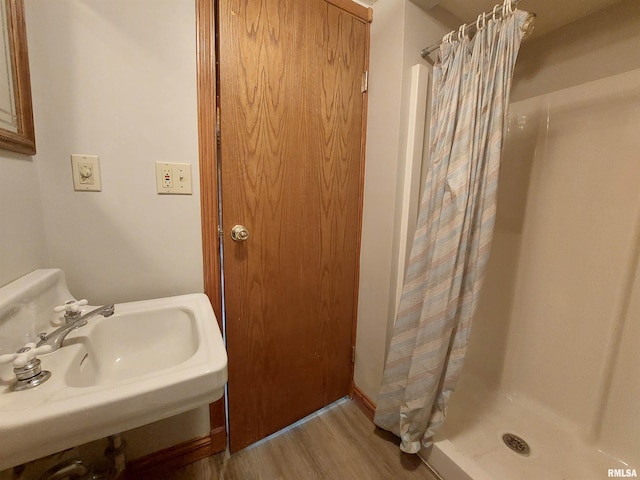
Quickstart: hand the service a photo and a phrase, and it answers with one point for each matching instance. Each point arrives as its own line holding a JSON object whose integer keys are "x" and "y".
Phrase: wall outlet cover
{"x": 173, "y": 178}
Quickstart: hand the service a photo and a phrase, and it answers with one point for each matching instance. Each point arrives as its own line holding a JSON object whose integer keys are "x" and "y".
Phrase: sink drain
{"x": 515, "y": 443}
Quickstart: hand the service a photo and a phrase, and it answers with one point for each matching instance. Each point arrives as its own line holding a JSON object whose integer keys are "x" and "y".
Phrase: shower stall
{"x": 554, "y": 356}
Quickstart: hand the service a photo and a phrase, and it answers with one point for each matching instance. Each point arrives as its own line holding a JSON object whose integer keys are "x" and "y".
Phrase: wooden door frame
{"x": 208, "y": 161}
{"x": 208, "y": 158}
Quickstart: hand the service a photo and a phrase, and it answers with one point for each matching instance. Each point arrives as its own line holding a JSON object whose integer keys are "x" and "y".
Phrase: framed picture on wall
{"x": 16, "y": 112}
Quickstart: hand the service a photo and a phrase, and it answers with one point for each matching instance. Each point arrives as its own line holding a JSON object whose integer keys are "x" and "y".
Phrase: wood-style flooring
{"x": 337, "y": 443}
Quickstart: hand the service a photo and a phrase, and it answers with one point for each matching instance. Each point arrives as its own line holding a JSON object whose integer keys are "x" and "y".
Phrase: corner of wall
{"x": 383, "y": 123}
{"x": 22, "y": 239}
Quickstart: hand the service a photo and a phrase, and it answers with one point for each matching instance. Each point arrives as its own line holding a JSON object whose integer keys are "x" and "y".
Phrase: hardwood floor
{"x": 337, "y": 443}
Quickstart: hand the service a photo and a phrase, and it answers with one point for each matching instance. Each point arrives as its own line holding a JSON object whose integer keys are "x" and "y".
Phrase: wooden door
{"x": 291, "y": 120}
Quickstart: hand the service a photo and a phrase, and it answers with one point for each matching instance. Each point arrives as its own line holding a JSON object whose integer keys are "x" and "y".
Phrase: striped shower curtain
{"x": 471, "y": 83}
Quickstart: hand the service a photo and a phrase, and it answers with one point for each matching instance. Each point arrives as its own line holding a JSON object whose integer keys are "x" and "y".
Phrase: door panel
{"x": 291, "y": 128}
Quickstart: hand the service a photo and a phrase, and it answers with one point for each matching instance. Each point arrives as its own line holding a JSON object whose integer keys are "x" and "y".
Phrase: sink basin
{"x": 150, "y": 360}
{"x": 110, "y": 352}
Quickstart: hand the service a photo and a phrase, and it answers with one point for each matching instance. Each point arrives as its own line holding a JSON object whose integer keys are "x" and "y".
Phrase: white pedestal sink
{"x": 150, "y": 360}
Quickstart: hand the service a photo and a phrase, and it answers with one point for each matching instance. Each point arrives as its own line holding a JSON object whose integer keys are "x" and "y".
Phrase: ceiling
{"x": 551, "y": 14}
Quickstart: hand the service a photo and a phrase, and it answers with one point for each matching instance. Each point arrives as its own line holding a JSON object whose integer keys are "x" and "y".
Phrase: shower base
{"x": 470, "y": 445}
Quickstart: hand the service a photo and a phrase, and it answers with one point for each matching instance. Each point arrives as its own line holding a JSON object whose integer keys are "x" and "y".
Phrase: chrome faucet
{"x": 55, "y": 338}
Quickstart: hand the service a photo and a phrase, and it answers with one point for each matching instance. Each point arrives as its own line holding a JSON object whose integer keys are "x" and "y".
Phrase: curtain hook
{"x": 478, "y": 28}
{"x": 461, "y": 32}
{"x": 449, "y": 36}
{"x": 494, "y": 12}
{"x": 507, "y": 8}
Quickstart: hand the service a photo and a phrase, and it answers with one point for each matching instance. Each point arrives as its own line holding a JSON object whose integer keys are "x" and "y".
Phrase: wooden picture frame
{"x": 17, "y": 132}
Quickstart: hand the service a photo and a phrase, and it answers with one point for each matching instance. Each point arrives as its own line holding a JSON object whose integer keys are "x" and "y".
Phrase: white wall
{"x": 117, "y": 79}
{"x": 383, "y": 131}
{"x": 22, "y": 239}
{"x": 600, "y": 45}
{"x": 398, "y": 32}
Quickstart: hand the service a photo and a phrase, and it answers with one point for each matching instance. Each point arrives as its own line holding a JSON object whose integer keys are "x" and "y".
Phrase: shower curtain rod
{"x": 471, "y": 28}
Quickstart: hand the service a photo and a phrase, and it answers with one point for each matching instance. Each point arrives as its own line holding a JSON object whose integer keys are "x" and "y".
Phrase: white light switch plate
{"x": 173, "y": 178}
{"x": 86, "y": 173}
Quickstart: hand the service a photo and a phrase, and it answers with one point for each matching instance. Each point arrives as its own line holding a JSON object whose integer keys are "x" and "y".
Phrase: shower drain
{"x": 516, "y": 443}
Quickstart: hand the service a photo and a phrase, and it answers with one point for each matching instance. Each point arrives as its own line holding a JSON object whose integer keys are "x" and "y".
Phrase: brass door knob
{"x": 239, "y": 233}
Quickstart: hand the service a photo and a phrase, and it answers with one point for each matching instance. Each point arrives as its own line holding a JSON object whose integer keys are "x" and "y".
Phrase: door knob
{"x": 239, "y": 233}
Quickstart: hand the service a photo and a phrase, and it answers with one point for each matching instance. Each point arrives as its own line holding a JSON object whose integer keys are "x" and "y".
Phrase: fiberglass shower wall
{"x": 559, "y": 319}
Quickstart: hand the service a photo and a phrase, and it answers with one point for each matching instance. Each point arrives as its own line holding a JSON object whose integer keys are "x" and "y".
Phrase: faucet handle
{"x": 71, "y": 306}
{"x": 71, "y": 310}
{"x": 24, "y": 355}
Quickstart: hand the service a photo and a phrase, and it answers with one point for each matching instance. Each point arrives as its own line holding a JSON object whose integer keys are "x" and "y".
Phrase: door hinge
{"x": 365, "y": 82}
{"x": 353, "y": 354}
